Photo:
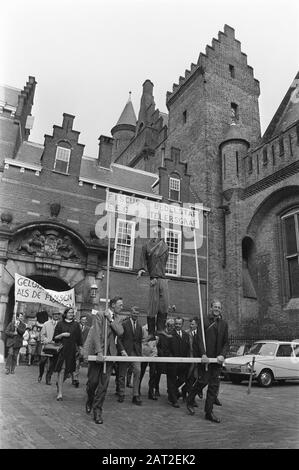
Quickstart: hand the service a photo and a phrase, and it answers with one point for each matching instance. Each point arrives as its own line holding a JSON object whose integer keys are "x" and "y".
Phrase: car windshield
{"x": 263, "y": 349}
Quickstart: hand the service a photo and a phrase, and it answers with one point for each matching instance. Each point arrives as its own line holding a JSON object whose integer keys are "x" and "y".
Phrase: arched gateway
{"x": 49, "y": 253}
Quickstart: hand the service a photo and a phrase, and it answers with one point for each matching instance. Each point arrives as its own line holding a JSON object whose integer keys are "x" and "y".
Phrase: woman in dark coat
{"x": 67, "y": 332}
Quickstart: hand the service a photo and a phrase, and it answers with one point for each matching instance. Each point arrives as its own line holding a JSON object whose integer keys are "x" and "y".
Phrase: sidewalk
{"x": 31, "y": 418}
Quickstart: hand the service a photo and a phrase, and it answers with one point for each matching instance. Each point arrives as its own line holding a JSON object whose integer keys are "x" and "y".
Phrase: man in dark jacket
{"x": 217, "y": 343}
{"x": 14, "y": 340}
{"x": 129, "y": 344}
{"x": 179, "y": 346}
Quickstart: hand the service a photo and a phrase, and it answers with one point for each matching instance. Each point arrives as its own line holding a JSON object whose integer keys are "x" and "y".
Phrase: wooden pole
{"x": 199, "y": 292}
{"x": 251, "y": 373}
{"x": 184, "y": 360}
{"x": 108, "y": 279}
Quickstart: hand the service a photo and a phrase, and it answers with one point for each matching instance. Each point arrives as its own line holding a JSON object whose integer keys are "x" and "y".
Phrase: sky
{"x": 87, "y": 55}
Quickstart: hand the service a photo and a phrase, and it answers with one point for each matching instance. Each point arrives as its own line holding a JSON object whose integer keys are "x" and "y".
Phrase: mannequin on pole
{"x": 154, "y": 258}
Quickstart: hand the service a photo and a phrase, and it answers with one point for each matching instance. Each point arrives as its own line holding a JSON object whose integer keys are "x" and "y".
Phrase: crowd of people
{"x": 72, "y": 342}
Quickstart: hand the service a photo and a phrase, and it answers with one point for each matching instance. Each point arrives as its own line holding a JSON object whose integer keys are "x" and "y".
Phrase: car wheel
{"x": 235, "y": 379}
{"x": 265, "y": 378}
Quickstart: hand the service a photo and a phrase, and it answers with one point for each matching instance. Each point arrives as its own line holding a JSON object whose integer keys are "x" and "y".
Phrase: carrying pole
{"x": 108, "y": 279}
{"x": 199, "y": 292}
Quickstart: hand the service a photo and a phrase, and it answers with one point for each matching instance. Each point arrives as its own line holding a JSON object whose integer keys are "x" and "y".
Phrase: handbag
{"x": 52, "y": 348}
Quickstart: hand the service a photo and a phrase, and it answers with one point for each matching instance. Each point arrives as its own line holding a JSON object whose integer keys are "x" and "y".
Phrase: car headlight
{"x": 249, "y": 366}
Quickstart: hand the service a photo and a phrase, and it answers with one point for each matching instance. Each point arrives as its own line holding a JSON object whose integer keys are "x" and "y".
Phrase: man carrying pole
{"x": 215, "y": 334}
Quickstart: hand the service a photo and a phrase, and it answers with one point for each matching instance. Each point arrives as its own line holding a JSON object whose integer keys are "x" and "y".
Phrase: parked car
{"x": 235, "y": 350}
{"x": 274, "y": 360}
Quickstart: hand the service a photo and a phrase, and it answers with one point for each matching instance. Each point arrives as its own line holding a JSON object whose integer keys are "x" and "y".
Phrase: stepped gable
{"x": 224, "y": 37}
{"x": 25, "y": 98}
{"x": 287, "y": 112}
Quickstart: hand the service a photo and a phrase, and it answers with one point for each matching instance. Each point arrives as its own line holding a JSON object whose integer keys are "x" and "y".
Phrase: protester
{"x": 217, "y": 343}
{"x": 79, "y": 352}
{"x": 67, "y": 332}
{"x": 149, "y": 348}
{"x": 98, "y": 380}
{"x": 179, "y": 346}
{"x": 163, "y": 351}
{"x": 129, "y": 344}
{"x": 46, "y": 337}
{"x": 14, "y": 338}
{"x": 32, "y": 344}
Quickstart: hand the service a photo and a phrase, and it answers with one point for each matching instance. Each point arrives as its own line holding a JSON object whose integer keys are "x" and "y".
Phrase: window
{"x": 291, "y": 232}
{"x": 232, "y": 71}
{"x": 124, "y": 244}
{"x": 281, "y": 147}
{"x": 237, "y": 163}
{"x": 234, "y": 112}
{"x": 284, "y": 350}
{"x": 291, "y": 146}
{"x": 273, "y": 154}
{"x": 173, "y": 240}
{"x": 184, "y": 117}
{"x": 265, "y": 156}
{"x": 174, "y": 188}
{"x": 250, "y": 166}
{"x": 62, "y": 159}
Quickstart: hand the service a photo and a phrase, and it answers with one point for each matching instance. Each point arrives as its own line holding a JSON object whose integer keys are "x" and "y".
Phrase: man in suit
{"x": 97, "y": 379}
{"x": 192, "y": 370}
{"x": 154, "y": 258}
{"x": 79, "y": 355}
{"x": 163, "y": 351}
{"x": 179, "y": 346}
{"x": 14, "y": 340}
{"x": 217, "y": 343}
{"x": 46, "y": 336}
{"x": 129, "y": 344}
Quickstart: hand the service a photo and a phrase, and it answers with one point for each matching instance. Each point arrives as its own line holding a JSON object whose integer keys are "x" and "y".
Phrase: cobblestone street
{"x": 31, "y": 418}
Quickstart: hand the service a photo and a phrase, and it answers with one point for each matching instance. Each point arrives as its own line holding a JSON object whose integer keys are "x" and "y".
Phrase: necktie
{"x": 134, "y": 326}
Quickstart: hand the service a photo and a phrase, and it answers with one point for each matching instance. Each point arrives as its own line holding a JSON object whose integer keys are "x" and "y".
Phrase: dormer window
{"x": 62, "y": 159}
{"x": 174, "y": 188}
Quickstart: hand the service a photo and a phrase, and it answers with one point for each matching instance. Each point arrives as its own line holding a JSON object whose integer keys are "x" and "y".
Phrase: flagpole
{"x": 108, "y": 279}
{"x": 199, "y": 292}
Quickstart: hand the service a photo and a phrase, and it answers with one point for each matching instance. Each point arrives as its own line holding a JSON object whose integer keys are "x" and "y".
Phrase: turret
{"x": 124, "y": 130}
{"x": 233, "y": 149}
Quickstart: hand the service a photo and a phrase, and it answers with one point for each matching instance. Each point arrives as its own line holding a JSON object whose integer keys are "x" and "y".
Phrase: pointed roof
{"x": 128, "y": 115}
{"x": 286, "y": 114}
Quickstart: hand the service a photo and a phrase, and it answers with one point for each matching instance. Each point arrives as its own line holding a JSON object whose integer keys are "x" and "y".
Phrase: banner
{"x": 27, "y": 290}
{"x": 153, "y": 210}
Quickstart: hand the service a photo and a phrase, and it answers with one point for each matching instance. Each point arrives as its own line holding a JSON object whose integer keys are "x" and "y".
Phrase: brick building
{"x": 207, "y": 149}
{"x": 249, "y": 181}
{"x": 54, "y": 223}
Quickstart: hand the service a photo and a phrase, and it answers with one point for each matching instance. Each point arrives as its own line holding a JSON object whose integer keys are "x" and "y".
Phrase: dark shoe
{"x": 97, "y": 416}
{"x": 190, "y": 410}
{"x": 7, "y": 371}
{"x": 88, "y": 406}
{"x": 152, "y": 396}
{"x": 59, "y": 398}
{"x": 157, "y": 393}
{"x": 174, "y": 404}
{"x": 136, "y": 401}
{"x": 121, "y": 399}
{"x": 217, "y": 402}
{"x": 212, "y": 417}
{"x": 75, "y": 383}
